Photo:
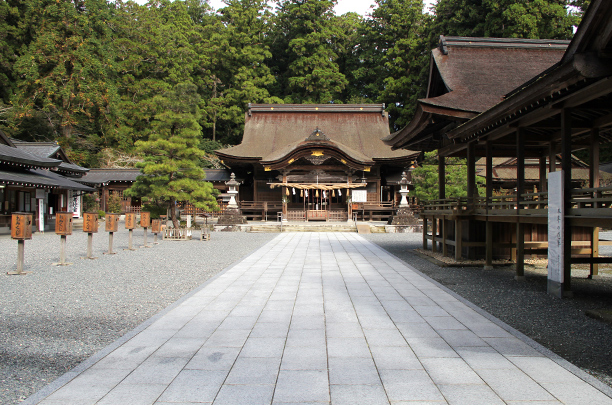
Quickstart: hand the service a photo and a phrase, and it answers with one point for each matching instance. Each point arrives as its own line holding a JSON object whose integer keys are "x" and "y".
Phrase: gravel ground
{"x": 559, "y": 325}
{"x": 53, "y": 318}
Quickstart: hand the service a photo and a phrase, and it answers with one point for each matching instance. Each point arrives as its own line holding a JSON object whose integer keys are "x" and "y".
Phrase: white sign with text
{"x": 556, "y": 226}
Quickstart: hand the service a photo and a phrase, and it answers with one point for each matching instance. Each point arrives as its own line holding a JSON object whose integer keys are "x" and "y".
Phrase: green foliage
{"x": 101, "y": 214}
{"x": 90, "y": 73}
{"x": 170, "y": 171}
{"x": 91, "y": 202}
{"x": 237, "y": 51}
{"x": 113, "y": 205}
{"x": 65, "y": 72}
{"x": 156, "y": 210}
{"x": 395, "y": 55}
{"x": 425, "y": 178}
{"x": 305, "y": 60}
{"x": 505, "y": 18}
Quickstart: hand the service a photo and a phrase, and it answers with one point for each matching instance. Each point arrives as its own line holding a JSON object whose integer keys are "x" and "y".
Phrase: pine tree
{"x": 170, "y": 171}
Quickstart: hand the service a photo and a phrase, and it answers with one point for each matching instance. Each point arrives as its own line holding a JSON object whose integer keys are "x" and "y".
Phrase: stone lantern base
{"x": 404, "y": 216}
{"x": 231, "y": 216}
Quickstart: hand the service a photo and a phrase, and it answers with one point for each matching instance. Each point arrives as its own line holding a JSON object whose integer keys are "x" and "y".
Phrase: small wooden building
{"x": 35, "y": 183}
{"x": 317, "y": 161}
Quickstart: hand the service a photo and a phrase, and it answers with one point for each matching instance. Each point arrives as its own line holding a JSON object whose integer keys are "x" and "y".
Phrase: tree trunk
{"x": 175, "y": 222}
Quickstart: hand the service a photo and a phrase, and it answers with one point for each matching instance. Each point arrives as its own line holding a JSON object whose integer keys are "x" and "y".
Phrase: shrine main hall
{"x": 317, "y": 162}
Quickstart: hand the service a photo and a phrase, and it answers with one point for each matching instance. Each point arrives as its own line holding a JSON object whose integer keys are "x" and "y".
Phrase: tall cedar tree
{"x": 170, "y": 171}
{"x": 65, "y": 74}
{"x": 240, "y": 76}
{"x": 395, "y": 55}
{"x": 157, "y": 46}
{"x": 505, "y": 18}
{"x": 305, "y": 62}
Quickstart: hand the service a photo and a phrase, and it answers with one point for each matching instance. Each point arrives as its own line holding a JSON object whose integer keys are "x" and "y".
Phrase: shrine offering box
{"x": 90, "y": 222}
{"x": 130, "y": 220}
{"x": 21, "y": 225}
{"x": 63, "y": 223}
{"x": 145, "y": 219}
{"x": 111, "y": 224}
{"x": 156, "y": 226}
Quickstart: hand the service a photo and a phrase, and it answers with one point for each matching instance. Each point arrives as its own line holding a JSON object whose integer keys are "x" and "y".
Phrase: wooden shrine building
{"x": 317, "y": 162}
{"x": 565, "y": 107}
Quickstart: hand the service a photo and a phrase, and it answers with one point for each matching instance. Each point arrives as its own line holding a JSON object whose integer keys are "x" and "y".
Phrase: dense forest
{"x": 93, "y": 74}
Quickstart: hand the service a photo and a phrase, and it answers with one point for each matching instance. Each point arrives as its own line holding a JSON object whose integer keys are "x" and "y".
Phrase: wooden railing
{"x": 593, "y": 202}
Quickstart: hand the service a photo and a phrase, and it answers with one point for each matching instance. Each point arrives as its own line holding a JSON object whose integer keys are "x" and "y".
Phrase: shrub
{"x": 91, "y": 202}
{"x": 101, "y": 214}
{"x": 155, "y": 209}
{"x": 114, "y": 203}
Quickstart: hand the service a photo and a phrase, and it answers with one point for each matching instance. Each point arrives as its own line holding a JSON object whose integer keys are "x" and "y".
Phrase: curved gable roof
{"x": 271, "y": 130}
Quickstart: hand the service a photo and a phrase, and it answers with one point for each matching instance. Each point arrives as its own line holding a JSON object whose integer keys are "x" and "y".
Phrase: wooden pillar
{"x": 471, "y": 171}
{"x": 542, "y": 174}
{"x": 285, "y": 195}
{"x": 594, "y": 183}
{"x": 520, "y": 190}
{"x": 489, "y": 225}
{"x": 443, "y": 232}
{"x": 424, "y": 233}
{"x": 441, "y": 178}
{"x": 552, "y": 157}
{"x": 458, "y": 244}
{"x": 434, "y": 231}
{"x": 566, "y": 165}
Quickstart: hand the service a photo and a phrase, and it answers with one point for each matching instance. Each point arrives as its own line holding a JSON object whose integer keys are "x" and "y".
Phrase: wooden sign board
{"x": 156, "y": 225}
{"x": 111, "y": 224}
{"x": 63, "y": 223}
{"x": 145, "y": 219}
{"x": 21, "y": 225}
{"x": 90, "y": 222}
{"x": 130, "y": 220}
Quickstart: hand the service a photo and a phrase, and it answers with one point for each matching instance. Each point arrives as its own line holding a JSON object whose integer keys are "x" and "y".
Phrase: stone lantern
{"x": 404, "y": 190}
{"x": 233, "y": 191}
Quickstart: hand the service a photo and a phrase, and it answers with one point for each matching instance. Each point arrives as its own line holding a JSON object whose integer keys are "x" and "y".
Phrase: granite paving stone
{"x": 324, "y": 318}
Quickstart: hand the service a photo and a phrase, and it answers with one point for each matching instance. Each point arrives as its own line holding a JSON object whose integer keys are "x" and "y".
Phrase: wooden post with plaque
{"x": 111, "y": 225}
{"x": 63, "y": 227}
{"x": 90, "y": 225}
{"x": 130, "y": 224}
{"x": 21, "y": 229}
{"x": 145, "y": 222}
{"x": 155, "y": 228}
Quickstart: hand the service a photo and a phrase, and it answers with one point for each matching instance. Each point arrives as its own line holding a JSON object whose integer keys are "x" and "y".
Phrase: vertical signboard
{"x": 556, "y": 231}
{"x": 41, "y": 215}
{"x": 74, "y": 203}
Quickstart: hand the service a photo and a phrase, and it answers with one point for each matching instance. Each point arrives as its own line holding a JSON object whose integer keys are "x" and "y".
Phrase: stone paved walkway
{"x": 319, "y": 318}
